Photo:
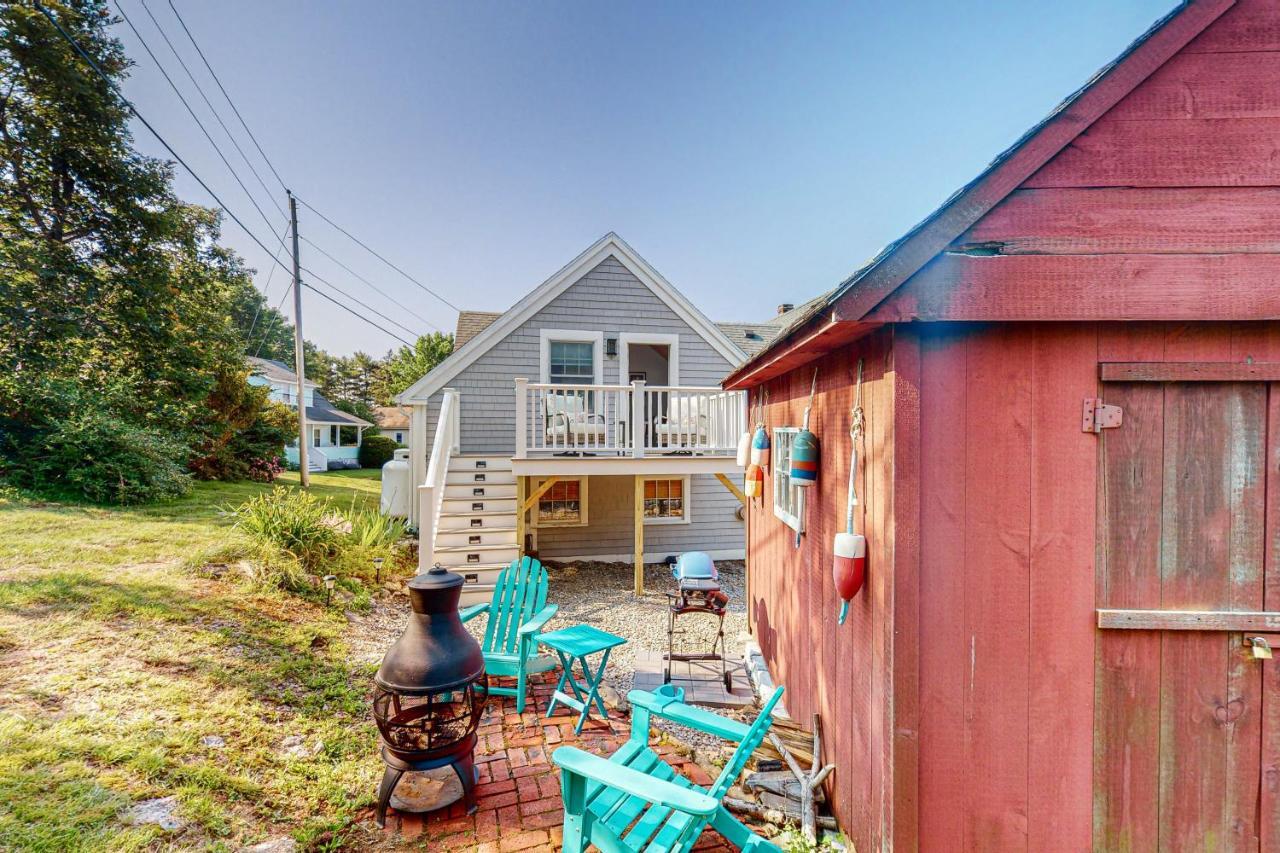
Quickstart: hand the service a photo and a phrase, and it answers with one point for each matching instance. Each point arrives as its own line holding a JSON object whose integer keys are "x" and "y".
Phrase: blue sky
{"x": 754, "y": 153}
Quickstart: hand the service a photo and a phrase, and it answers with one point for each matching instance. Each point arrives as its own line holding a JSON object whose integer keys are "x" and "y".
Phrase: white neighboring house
{"x": 393, "y": 422}
{"x": 585, "y": 422}
{"x": 324, "y": 422}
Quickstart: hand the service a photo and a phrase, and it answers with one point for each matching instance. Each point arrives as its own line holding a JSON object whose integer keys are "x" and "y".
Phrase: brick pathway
{"x": 519, "y": 792}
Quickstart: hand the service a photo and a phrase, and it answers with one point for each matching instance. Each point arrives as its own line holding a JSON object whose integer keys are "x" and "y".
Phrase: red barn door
{"x": 1187, "y": 720}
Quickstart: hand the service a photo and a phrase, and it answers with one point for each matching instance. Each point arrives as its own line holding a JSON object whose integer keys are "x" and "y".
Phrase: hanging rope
{"x": 857, "y": 427}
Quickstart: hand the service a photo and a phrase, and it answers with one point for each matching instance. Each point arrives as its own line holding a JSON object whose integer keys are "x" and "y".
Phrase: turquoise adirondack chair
{"x": 635, "y": 801}
{"x": 517, "y": 613}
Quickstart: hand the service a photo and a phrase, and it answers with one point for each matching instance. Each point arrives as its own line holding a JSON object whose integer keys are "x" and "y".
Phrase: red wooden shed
{"x": 1069, "y": 479}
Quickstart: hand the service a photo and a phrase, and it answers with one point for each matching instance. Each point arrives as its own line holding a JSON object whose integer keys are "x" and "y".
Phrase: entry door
{"x": 1187, "y": 720}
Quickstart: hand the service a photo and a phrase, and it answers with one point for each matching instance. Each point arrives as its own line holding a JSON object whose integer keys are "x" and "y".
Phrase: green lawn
{"x": 119, "y": 652}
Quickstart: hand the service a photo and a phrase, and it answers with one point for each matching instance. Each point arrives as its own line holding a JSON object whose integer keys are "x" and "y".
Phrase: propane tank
{"x": 849, "y": 568}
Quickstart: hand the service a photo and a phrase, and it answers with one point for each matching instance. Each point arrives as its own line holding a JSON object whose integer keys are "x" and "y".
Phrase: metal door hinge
{"x": 1099, "y": 416}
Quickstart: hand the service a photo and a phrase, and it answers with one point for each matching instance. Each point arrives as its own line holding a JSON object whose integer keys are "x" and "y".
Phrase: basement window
{"x": 666, "y": 501}
{"x": 788, "y": 500}
{"x": 564, "y": 504}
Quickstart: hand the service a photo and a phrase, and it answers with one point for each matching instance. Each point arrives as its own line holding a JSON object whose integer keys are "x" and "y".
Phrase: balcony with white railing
{"x": 635, "y": 420}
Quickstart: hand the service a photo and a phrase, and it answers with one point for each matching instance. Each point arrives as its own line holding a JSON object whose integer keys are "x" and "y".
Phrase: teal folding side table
{"x": 575, "y": 644}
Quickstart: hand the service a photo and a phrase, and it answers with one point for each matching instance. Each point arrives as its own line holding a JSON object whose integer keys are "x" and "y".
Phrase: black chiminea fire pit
{"x": 431, "y": 691}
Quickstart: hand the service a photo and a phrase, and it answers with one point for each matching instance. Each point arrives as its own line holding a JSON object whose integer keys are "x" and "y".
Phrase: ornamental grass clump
{"x": 293, "y": 522}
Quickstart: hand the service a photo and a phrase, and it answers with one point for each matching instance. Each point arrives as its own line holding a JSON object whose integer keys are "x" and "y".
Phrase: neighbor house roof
{"x": 610, "y": 245}
{"x": 836, "y": 316}
{"x": 392, "y": 417}
{"x": 472, "y": 323}
{"x": 274, "y": 370}
{"x": 323, "y": 412}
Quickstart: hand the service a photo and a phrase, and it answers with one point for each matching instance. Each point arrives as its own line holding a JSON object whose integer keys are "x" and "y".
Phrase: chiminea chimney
{"x": 785, "y": 307}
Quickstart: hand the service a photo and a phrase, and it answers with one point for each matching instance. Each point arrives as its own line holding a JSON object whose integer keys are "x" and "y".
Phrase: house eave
{"x": 537, "y": 299}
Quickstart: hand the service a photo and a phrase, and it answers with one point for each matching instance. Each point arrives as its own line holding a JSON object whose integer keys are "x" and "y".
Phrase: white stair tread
{"x": 480, "y": 514}
{"x": 476, "y": 530}
{"x": 470, "y": 549}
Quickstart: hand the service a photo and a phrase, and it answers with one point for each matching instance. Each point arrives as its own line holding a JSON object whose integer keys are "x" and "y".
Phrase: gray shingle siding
{"x": 607, "y": 299}
{"x": 712, "y": 525}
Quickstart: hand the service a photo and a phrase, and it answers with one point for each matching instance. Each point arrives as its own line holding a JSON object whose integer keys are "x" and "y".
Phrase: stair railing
{"x": 431, "y": 492}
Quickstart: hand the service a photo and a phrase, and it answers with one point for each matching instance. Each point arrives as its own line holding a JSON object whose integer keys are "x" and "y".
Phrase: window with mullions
{"x": 564, "y": 504}
{"x": 571, "y": 363}
{"x": 666, "y": 501}
{"x": 788, "y": 500}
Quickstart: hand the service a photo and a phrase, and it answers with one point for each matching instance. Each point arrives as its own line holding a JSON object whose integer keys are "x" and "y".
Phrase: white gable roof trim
{"x": 543, "y": 294}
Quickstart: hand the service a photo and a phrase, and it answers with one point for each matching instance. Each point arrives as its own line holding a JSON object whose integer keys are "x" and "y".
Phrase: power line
{"x": 364, "y": 246}
{"x": 357, "y": 314}
{"x": 266, "y": 287}
{"x": 363, "y": 305}
{"x": 204, "y": 185}
{"x": 375, "y": 288}
{"x": 116, "y": 89}
{"x": 209, "y": 104}
{"x": 196, "y": 118}
{"x": 222, "y": 89}
{"x": 267, "y": 330}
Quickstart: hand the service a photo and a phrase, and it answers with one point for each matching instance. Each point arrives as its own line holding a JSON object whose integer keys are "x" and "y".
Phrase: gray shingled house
{"x": 585, "y": 422}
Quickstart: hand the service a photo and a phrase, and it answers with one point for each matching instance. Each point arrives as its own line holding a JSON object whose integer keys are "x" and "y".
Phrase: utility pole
{"x": 298, "y": 356}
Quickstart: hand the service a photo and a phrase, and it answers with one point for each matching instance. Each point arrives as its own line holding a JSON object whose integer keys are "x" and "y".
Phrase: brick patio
{"x": 519, "y": 792}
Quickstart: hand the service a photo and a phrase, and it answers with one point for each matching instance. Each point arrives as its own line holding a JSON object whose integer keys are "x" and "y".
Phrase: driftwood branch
{"x": 772, "y": 815}
{"x": 808, "y": 781}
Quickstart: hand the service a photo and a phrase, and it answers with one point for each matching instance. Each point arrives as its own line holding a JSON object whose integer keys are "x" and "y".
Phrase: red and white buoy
{"x": 849, "y": 566}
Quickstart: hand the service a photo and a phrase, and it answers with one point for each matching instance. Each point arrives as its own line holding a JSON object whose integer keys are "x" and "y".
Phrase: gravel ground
{"x": 598, "y": 594}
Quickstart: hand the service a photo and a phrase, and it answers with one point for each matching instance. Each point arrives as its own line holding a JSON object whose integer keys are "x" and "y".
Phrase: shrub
{"x": 371, "y": 529}
{"x": 265, "y": 470}
{"x": 96, "y": 455}
{"x": 293, "y": 522}
{"x": 376, "y": 451}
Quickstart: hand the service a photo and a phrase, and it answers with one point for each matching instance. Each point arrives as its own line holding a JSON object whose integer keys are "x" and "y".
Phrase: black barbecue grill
{"x": 698, "y": 592}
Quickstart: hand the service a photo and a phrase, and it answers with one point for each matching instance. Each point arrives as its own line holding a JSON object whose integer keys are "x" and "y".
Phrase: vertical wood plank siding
{"x": 837, "y": 671}
{"x": 1016, "y": 724}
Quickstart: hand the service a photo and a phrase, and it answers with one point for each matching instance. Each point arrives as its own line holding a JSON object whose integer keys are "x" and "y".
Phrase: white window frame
{"x": 788, "y": 500}
{"x": 571, "y": 336}
{"x": 687, "y": 495}
{"x": 582, "y": 503}
{"x": 315, "y": 437}
{"x": 671, "y": 342}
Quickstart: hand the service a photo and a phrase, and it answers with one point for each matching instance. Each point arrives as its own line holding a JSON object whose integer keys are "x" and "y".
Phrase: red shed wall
{"x": 1164, "y": 208}
{"x": 843, "y": 672}
{"x": 1008, "y": 526}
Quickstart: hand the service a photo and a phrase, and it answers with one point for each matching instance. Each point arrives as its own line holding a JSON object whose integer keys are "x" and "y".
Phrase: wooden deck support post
{"x": 639, "y": 535}
{"x": 522, "y": 486}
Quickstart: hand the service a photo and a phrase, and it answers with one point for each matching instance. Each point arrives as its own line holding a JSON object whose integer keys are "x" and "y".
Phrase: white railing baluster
{"x": 630, "y": 419}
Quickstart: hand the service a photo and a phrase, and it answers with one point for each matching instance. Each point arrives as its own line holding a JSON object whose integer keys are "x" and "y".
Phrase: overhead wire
{"x": 371, "y": 251}
{"x": 266, "y": 288}
{"x": 373, "y": 286}
{"x": 150, "y": 127}
{"x": 223, "y": 89}
{"x": 217, "y": 116}
{"x": 312, "y": 274}
{"x": 97, "y": 69}
{"x": 194, "y": 117}
{"x": 324, "y": 295}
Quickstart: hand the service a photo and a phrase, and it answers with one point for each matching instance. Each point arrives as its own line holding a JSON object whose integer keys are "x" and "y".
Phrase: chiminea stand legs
{"x": 463, "y": 764}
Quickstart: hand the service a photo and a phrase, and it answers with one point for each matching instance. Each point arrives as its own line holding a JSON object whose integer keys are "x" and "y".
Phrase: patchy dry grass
{"x": 117, "y": 656}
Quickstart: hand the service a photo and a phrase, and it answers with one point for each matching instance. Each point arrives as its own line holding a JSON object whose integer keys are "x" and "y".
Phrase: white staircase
{"x": 316, "y": 461}
{"x": 475, "y": 534}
